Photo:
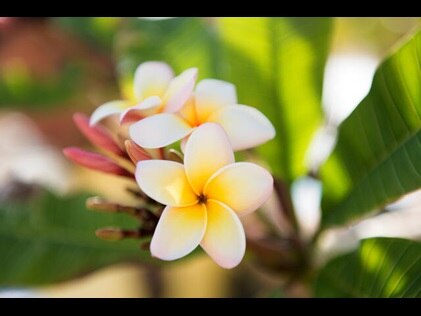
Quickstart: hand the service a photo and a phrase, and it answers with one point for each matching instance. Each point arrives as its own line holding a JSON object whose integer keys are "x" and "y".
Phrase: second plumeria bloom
{"x": 204, "y": 198}
{"x": 213, "y": 101}
{"x": 155, "y": 90}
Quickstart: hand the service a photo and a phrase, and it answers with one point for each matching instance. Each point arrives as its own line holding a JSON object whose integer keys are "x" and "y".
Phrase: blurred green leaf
{"x": 276, "y": 63}
{"x": 276, "y": 293}
{"x": 97, "y": 30}
{"x": 51, "y": 239}
{"x": 181, "y": 42}
{"x": 381, "y": 267}
{"x": 19, "y": 88}
{"x": 377, "y": 156}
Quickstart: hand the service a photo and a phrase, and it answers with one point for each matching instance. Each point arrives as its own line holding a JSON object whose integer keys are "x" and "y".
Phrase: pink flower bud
{"x": 115, "y": 234}
{"x": 135, "y": 152}
{"x": 97, "y": 135}
{"x": 110, "y": 233}
{"x": 95, "y": 161}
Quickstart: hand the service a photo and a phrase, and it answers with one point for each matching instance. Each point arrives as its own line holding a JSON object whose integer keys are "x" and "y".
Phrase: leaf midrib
{"x": 282, "y": 136}
{"x": 385, "y": 158}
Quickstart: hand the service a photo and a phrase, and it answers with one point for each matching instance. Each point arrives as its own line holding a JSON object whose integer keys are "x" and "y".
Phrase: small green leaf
{"x": 381, "y": 267}
{"x": 377, "y": 156}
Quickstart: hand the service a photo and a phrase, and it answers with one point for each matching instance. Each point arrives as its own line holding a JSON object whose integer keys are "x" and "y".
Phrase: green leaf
{"x": 20, "y": 89}
{"x": 276, "y": 63}
{"x": 95, "y": 30}
{"x": 377, "y": 156}
{"x": 181, "y": 42}
{"x": 381, "y": 267}
{"x": 51, "y": 239}
{"x": 275, "y": 293}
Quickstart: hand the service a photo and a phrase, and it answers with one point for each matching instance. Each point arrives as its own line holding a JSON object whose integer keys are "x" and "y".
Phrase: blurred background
{"x": 53, "y": 67}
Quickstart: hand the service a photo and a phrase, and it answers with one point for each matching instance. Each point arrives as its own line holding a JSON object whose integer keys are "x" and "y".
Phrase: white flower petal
{"x": 180, "y": 90}
{"x": 211, "y": 95}
{"x": 224, "y": 240}
{"x": 152, "y": 78}
{"x": 206, "y": 151}
{"x": 246, "y": 126}
{"x": 145, "y": 108}
{"x": 243, "y": 186}
{"x": 108, "y": 109}
{"x": 179, "y": 231}
{"x": 159, "y": 130}
{"x": 165, "y": 181}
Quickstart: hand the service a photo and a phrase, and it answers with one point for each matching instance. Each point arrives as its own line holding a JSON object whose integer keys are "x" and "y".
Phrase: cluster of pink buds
{"x": 119, "y": 159}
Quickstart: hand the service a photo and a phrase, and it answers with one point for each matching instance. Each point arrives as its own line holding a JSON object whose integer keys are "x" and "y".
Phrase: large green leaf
{"x": 377, "y": 156}
{"x": 51, "y": 239}
{"x": 276, "y": 63}
{"x": 381, "y": 267}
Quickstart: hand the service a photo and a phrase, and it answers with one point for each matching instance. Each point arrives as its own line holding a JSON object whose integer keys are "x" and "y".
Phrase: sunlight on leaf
{"x": 381, "y": 267}
{"x": 376, "y": 158}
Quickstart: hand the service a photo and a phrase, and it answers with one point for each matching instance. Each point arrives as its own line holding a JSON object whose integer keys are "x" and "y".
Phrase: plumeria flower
{"x": 155, "y": 90}
{"x": 204, "y": 198}
{"x": 213, "y": 101}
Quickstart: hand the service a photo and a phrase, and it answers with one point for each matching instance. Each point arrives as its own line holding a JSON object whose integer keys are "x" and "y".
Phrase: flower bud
{"x": 95, "y": 161}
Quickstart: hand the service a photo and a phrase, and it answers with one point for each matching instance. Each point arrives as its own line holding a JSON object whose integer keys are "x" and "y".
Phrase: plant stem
{"x": 284, "y": 197}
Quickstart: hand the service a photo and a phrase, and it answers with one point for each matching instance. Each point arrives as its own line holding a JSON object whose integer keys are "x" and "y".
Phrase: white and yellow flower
{"x": 155, "y": 90}
{"x": 204, "y": 198}
{"x": 213, "y": 101}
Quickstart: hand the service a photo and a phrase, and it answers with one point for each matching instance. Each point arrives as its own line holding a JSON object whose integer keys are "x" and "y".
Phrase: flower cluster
{"x": 202, "y": 191}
